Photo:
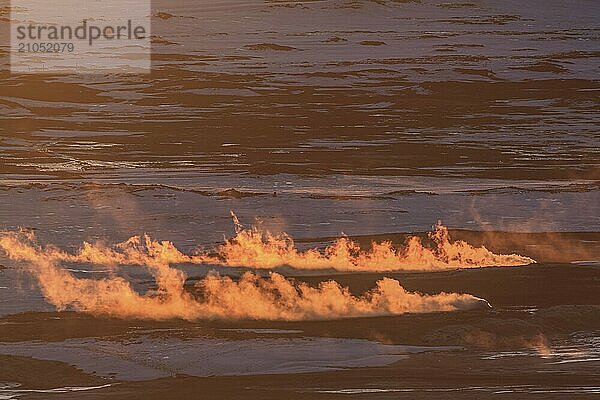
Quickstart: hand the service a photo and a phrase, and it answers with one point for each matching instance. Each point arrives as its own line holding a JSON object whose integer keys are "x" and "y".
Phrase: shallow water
{"x": 144, "y": 358}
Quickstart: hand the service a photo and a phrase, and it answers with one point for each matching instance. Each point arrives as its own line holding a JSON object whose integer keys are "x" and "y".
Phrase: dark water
{"x": 486, "y": 89}
{"x": 325, "y": 100}
{"x": 317, "y": 118}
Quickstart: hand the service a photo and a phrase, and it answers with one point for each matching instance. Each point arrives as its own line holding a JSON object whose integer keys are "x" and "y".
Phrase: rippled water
{"x": 488, "y": 89}
{"x": 329, "y": 100}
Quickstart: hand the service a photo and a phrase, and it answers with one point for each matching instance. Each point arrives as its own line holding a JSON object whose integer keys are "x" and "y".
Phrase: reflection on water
{"x": 579, "y": 348}
{"x": 11, "y": 390}
{"x": 143, "y": 358}
{"x": 502, "y": 90}
{"x": 475, "y": 390}
{"x": 296, "y": 106}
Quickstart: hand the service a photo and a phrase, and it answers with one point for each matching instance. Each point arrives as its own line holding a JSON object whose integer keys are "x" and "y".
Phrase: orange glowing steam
{"x": 251, "y": 297}
{"x": 253, "y": 248}
{"x": 256, "y": 249}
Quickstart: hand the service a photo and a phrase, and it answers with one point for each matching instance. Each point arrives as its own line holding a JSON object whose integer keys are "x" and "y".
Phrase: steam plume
{"x": 256, "y": 249}
{"x": 253, "y": 248}
{"x": 252, "y": 297}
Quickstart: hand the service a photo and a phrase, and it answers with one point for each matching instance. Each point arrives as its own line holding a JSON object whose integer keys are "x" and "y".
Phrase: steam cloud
{"x": 252, "y": 297}
{"x": 255, "y": 249}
